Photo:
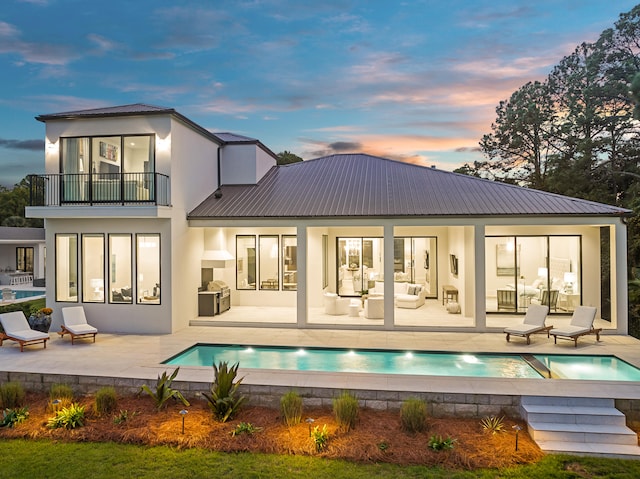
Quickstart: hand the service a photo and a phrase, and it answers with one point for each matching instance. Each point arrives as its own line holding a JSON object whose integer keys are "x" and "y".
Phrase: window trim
{"x": 83, "y": 268}
{"x": 137, "y": 272}
{"x": 110, "y": 266}
{"x": 56, "y": 265}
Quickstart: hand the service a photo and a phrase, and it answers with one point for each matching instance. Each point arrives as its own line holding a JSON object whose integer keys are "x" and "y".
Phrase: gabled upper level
{"x": 143, "y": 157}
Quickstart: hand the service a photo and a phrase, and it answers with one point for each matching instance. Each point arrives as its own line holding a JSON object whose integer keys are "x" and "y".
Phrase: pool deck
{"x": 140, "y": 357}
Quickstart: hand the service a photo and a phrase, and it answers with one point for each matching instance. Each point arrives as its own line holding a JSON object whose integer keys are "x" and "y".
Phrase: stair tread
{"x": 573, "y": 427}
{"x": 565, "y": 401}
{"x": 583, "y": 410}
{"x": 591, "y": 447}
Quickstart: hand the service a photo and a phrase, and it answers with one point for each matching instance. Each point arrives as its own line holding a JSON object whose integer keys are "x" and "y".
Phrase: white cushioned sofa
{"x": 406, "y": 295}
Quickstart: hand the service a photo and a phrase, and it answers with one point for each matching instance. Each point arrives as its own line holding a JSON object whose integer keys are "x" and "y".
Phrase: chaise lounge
{"x": 533, "y": 323}
{"x": 75, "y": 324}
{"x": 581, "y": 324}
{"x": 16, "y": 328}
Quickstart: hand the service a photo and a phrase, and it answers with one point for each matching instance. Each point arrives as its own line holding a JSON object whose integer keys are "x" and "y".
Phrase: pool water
{"x": 20, "y": 294}
{"x": 601, "y": 368}
{"x": 360, "y": 361}
{"x": 414, "y": 363}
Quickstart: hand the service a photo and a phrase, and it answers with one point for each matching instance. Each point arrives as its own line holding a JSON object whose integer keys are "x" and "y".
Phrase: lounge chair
{"x": 75, "y": 324}
{"x": 580, "y": 325}
{"x": 533, "y": 323}
{"x": 16, "y": 328}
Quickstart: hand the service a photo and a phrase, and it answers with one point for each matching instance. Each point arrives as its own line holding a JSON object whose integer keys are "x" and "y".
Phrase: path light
{"x": 309, "y": 421}
{"x": 183, "y": 413}
{"x": 55, "y": 403}
{"x": 517, "y": 428}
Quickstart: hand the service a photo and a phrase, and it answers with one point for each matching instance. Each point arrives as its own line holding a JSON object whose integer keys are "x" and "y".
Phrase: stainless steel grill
{"x": 224, "y": 298}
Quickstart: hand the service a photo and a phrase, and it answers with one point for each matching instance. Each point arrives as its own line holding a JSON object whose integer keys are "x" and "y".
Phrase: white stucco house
{"x": 154, "y": 223}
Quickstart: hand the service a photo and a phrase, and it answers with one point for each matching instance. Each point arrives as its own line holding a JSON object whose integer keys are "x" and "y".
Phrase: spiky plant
{"x": 163, "y": 390}
{"x": 223, "y": 399}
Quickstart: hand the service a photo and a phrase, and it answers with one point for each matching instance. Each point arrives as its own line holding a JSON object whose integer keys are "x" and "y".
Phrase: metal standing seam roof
{"x": 359, "y": 185}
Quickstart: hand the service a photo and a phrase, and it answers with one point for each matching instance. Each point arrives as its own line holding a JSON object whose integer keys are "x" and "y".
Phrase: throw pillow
{"x": 411, "y": 289}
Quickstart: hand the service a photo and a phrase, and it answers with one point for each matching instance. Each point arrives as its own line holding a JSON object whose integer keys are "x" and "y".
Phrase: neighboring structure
{"x": 22, "y": 255}
{"x": 155, "y": 222}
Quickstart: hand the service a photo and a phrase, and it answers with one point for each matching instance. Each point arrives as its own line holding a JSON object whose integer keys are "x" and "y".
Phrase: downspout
{"x": 218, "y": 192}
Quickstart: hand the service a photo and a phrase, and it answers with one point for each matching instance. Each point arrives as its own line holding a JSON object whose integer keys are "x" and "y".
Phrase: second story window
{"x": 108, "y": 168}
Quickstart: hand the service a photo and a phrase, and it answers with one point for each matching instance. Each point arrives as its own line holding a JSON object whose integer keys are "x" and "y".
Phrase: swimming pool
{"x": 21, "y": 294}
{"x": 360, "y": 361}
{"x": 416, "y": 362}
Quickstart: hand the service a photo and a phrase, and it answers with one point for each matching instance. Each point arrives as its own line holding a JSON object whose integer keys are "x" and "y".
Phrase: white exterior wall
{"x": 194, "y": 176}
{"x": 244, "y": 164}
{"x": 115, "y": 318}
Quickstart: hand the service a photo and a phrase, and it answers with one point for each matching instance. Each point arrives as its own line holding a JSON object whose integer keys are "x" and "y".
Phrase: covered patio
{"x": 490, "y": 249}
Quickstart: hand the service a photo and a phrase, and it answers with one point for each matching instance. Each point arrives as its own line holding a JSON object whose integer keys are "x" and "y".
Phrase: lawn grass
{"x": 28, "y": 459}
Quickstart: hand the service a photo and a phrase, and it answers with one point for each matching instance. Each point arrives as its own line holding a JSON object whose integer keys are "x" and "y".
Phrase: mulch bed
{"x": 377, "y": 436}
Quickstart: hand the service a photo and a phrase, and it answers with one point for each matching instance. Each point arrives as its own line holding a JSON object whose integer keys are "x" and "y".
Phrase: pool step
{"x": 584, "y": 426}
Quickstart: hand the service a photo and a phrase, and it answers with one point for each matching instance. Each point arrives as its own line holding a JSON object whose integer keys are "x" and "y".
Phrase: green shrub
{"x": 438, "y": 443}
{"x": 11, "y": 417}
{"x": 163, "y": 390}
{"x": 245, "y": 428}
{"x": 346, "y": 409}
{"x": 223, "y": 399}
{"x": 11, "y": 395}
{"x": 291, "y": 408}
{"x": 492, "y": 424}
{"x": 106, "y": 401}
{"x": 123, "y": 416}
{"x": 413, "y": 415}
{"x": 24, "y": 306}
{"x": 68, "y": 417}
{"x": 320, "y": 437}
{"x": 60, "y": 395}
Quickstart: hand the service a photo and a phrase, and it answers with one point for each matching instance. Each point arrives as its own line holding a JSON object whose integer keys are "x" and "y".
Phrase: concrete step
{"x": 573, "y": 414}
{"x": 582, "y": 433}
{"x": 567, "y": 401}
{"x": 621, "y": 451}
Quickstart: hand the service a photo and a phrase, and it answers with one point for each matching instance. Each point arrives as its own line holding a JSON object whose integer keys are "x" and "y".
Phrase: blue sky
{"x": 416, "y": 81}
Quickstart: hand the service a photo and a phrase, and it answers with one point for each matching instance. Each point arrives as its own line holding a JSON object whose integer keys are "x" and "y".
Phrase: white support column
{"x": 480, "y": 290}
{"x": 301, "y": 294}
{"x": 619, "y": 293}
{"x": 389, "y": 313}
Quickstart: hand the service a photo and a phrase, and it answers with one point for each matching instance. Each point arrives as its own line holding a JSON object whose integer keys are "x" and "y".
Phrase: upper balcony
{"x": 100, "y": 189}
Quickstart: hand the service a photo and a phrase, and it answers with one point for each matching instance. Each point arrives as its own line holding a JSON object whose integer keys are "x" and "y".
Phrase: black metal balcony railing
{"x": 99, "y": 189}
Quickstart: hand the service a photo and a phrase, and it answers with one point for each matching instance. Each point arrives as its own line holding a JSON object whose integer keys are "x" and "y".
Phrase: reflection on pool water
{"x": 601, "y": 368}
{"x": 416, "y": 362}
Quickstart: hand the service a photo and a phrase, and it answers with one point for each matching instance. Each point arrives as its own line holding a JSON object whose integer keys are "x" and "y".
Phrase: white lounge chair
{"x": 533, "y": 323}
{"x": 16, "y": 328}
{"x": 581, "y": 324}
{"x": 335, "y": 305}
{"x": 75, "y": 324}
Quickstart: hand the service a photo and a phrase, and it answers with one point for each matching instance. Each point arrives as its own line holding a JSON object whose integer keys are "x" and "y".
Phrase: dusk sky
{"x": 411, "y": 80}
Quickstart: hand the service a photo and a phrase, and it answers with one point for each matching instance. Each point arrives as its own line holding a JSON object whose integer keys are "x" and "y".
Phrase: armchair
{"x": 335, "y": 305}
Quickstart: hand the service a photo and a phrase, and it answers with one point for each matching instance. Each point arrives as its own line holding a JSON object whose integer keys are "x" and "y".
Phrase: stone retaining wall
{"x": 438, "y": 404}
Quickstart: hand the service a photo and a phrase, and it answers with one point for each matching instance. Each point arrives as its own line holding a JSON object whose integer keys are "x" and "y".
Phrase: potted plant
{"x": 40, "y": 320}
